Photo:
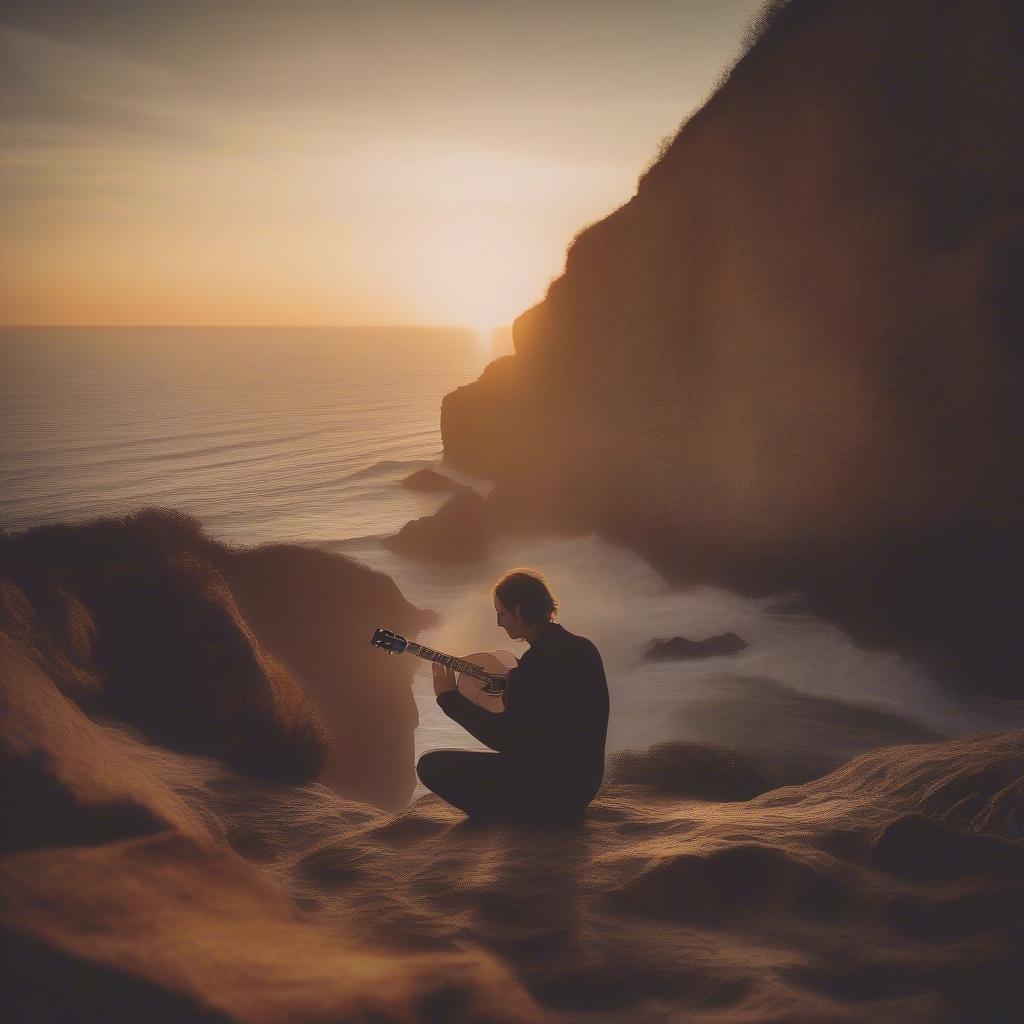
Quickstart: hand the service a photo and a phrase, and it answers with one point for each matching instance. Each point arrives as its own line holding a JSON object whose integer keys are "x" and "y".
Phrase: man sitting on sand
{"x": 549, "y": 739}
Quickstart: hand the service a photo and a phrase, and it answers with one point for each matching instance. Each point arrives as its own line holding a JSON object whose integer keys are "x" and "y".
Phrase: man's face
{"x": 511, "y": 622}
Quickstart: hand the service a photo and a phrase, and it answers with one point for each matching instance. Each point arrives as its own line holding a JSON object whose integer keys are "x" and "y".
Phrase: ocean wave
{"x": 389, "y": 467}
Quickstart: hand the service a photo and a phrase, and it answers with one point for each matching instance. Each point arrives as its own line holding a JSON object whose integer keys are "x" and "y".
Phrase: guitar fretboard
{"x": 457, "y": 664}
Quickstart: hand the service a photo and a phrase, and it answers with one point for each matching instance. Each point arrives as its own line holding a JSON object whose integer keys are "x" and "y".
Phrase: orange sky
{"x": 312, "y": 163}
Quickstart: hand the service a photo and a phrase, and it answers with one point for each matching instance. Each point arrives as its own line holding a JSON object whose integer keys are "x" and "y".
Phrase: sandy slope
{"x": 889, "y": 890}
{"x": 141, "y": 883}
{"x": 120, "y": 901}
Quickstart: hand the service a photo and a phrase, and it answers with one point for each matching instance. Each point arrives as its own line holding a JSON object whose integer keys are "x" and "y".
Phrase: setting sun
{"x": 476, "y": 269}
{"x": 370, "y": 170}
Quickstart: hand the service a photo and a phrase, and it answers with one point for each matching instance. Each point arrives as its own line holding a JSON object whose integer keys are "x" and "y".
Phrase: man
{"x": 550, "y": 738}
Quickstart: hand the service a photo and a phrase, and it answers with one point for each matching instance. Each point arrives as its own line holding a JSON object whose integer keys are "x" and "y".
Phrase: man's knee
{"x": 427, "y": 768}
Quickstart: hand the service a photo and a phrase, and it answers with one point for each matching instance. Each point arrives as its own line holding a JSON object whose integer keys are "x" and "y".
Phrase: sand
{"x": 889, "y": 890}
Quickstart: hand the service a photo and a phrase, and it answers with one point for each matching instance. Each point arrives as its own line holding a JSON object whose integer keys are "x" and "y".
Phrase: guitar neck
{"x": 457, "y": 664}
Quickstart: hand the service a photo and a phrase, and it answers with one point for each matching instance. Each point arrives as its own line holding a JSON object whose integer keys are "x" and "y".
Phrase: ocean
{"x": 303, "y": 435}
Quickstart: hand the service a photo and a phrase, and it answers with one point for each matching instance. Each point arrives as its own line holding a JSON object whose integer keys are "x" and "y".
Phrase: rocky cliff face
{"x": 793, "y": 358}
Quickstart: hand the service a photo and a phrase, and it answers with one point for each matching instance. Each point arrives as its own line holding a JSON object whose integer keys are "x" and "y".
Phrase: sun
{"x": 472, "y": 270}
{"x": 484, "y": 332}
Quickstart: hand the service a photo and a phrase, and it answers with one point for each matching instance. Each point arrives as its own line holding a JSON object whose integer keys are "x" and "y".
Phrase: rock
{"x": 792, "y": 359}
{"x": 174, "y": 656}
{"x": 148, "y": 621}
{"x": 431, "y": 481}
{"x": 679, "y": 648}
{"x": 315, "y": 611}
{"x": 701, "y": 771}
{"x": 454, "y": 534}
{"x": 489, "y": 402}
{"x": 114, "y": 856}
{"x": 800, "y": 735}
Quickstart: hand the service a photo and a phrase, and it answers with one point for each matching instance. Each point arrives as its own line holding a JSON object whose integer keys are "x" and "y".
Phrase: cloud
{"x": 53, "y": 91}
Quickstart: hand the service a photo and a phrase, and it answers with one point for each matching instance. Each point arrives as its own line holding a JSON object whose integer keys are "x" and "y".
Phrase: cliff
{"x": 793, "y": 359}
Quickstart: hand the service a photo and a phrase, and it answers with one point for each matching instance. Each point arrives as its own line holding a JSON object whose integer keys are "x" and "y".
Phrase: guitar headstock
{"x": 392, "y": 643}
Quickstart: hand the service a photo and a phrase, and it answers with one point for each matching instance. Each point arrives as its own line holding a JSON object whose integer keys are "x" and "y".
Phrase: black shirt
{"x": 556, "y": 713}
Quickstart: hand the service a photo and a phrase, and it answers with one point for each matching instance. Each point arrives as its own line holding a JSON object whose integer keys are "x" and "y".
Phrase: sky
{"x": 280, "y": 163}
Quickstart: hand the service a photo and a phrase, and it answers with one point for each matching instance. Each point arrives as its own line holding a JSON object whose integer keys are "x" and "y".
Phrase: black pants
{"x": 496, "y": 787}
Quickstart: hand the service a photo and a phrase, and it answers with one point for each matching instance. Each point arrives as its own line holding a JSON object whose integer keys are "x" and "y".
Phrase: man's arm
{"x": 489, "y": 728}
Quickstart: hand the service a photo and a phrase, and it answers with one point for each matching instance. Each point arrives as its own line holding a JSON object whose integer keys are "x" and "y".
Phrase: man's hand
{"x": 444, "y": 678}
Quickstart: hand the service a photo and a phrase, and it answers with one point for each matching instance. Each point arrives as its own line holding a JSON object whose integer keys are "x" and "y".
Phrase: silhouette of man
{"x": 549, "y": 741}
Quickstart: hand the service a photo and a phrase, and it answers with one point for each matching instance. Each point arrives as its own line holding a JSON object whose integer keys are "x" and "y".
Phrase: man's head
{"x": 523, "y": 602}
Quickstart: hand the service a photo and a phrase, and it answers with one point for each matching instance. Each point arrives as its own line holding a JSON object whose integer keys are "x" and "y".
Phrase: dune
{"x": 794, "y": 353}
{"x": 165, "y": 928}
{"x": 789, "y": 906}
{"x": 69, "y": 780}
{"x": 257, "y": 656}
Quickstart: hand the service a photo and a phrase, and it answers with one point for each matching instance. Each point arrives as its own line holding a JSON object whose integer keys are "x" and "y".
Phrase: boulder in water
{"x": 431, "y": 481}
{"x": 454, "y": 534}
{"x": 701, "y": 771}
{"x": 680, "y": 648}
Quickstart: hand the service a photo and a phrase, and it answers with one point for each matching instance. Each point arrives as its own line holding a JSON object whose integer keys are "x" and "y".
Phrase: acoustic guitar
{"x": 480, "y": 678}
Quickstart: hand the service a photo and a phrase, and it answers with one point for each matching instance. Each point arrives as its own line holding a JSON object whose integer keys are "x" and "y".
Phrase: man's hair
{"x": 528, "y": 591}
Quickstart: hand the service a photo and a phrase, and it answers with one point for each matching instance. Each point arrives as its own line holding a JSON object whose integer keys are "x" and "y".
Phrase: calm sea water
{"x": 305, "y": 435}
{"x": 272, "y": 434}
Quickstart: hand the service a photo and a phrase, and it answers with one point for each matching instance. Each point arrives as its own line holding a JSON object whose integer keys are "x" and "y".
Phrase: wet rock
{"x": 679, "y": 648}
{"x": 454, "y": 534}
{"x": 702, "y": 771}
{"x": 431, "y": 481}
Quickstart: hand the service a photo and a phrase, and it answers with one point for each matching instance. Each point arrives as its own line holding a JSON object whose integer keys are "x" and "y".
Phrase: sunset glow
{"x": 398, "y": 163}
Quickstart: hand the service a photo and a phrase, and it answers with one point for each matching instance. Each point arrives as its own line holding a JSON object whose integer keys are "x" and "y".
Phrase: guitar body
{"x": 498, "y": 663}
{"x": 466, "y": 670}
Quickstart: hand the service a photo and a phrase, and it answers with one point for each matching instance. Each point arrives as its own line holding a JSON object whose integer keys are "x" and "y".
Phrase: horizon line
{"x": 270, "y": 327}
